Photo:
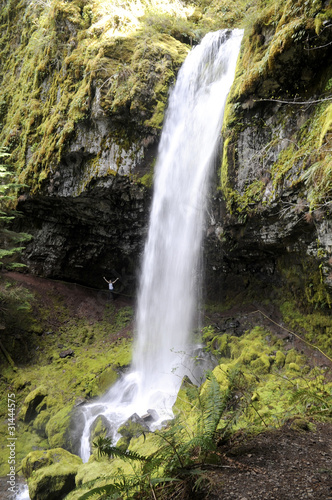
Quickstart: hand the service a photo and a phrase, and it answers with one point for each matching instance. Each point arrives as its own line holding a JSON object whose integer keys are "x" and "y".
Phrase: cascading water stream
{"x": 170, "y": 277}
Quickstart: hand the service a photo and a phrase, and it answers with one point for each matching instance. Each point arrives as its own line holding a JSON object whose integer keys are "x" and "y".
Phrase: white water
{"x": 170, "y": 278}
{"x": 23, "y": 493}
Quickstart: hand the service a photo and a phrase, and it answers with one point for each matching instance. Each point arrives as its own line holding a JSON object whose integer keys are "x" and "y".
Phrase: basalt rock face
{"x": 270, "y": 225}
{"x": 89, "y": 216}
{"x": 86, "y": 237}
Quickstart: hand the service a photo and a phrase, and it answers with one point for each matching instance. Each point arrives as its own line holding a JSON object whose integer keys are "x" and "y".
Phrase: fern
{"x": 213, "y": 405}
{"x": 102, "y": 492}
{"x": 104, "y": 447}
{"x": 314, "y": 402}
{"x": 182, "y": 453}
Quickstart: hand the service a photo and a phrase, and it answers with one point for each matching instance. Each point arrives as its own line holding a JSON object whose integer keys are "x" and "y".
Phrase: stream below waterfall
{"x": 171, "y": 271}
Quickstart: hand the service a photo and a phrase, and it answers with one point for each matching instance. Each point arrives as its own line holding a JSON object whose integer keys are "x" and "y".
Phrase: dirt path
{"x": 278, "y": 465}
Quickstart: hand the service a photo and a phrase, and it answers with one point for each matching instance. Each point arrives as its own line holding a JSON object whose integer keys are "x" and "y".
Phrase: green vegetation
{"x": 280, "y": 36}
{"x": 47, "y": 386}
{"x": 67, "y": 57}
{"x": 11, "y": 245}
{"x": 257, "y": 386}
{"x": 52, "y": 472}
{"x": 11, "y": 242}
{"x": 62, "y": 64}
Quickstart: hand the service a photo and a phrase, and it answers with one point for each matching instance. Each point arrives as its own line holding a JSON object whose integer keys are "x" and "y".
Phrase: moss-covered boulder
{"x": 40, "y": 422}
{"x": 57, "y": 429}
{"x": 34, "y": 403}
{"x": 187, "y": 393}
{"x": 50, "y": 473}
{"x": 132, "y": 428}
{"x": 100, "y": 427}
{"x": 280, "y": 359}
{"x": 64, "y": 429}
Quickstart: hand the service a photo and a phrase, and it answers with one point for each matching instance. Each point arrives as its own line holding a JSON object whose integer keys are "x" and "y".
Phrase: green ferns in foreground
{"x": 181, "y": 450}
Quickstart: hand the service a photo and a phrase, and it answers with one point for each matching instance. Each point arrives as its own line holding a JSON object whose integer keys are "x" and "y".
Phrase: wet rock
{"x": 101, "y": 230}
{"x": 150, "y": 416}
{"x": 67, "y": 353}
{"x": 133, "y": 427}
{"x": 100, "y": 427}
{"x": 65, "y": 428}
{"x": 80, "y": 401}
{"x": 74, "y": 433}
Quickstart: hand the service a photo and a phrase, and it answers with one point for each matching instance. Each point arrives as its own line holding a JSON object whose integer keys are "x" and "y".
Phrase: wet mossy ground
{"x": 92, "y": 332}
{"x": 278, "y": 379}
{"x": 276, "y": 386}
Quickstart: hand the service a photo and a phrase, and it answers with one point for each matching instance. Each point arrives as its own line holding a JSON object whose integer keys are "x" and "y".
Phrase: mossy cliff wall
{"x": 270, "y": 221}
{"x": 83, "y": 91}
{"x": 84, "y": 86}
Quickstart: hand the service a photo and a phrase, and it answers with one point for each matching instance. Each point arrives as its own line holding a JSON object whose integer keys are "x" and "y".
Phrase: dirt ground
{"x": 283, "y": 464}
{"x": 278, "y": 465}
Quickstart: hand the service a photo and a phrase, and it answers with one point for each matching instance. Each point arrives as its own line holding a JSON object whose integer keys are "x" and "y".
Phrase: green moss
{"x": 267, "y": 396}
{"x": 301, "y": 424}
{"x": 51, "y": 473}
{"x": 259, "y": 74}
{"x": 64, "y": 54}
{"x": 185, "y": 398}
{"x": 40, "y": 422}
{"x": 57, "y": 428}
{"x": 316, "y": 326}
{"x": 261, "y": 364}
{"x": 99, "y": 353}
{"x": 294, "y": 367}
{"x": 27, "y": 440}
{"x": 270, "y": 378}
{"x": 215, "y": 343}
{"x": 280, "y": 359}
{"x": 157, "y": 118}
{"x": 107, "y": 378}
{"x": 147, "y": 179}
{"x": 33, "y": 404}
{"x": 95, "y": 468}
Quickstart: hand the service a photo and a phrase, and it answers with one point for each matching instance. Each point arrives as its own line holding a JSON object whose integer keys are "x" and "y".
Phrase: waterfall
{"x": 170, "y": 275}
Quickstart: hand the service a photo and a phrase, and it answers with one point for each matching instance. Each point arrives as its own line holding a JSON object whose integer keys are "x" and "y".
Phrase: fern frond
{"x": 108, "y": 489}
{"x": 202, "y": 442}
{"x": 104, "y": 447}
{"x": 213, "y": 406}
{"x": 309, "y": 397}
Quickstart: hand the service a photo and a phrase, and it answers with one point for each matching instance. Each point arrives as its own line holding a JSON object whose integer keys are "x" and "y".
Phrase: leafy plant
{"x": 315, "y": 397}
{"x": 104, "y": 447}
{"x": 129, "y": 485}
{"x": 11, "y": 242}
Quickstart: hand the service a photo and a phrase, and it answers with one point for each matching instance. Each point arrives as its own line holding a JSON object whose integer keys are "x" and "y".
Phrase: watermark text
{"x": 11, "y": 443}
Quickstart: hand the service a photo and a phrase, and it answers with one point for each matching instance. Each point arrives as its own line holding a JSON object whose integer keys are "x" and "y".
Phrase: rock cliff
{"x": 84, "y": 89}
{"x": 271, "y": 222}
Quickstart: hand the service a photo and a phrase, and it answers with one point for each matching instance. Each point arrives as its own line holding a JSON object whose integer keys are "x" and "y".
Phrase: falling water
{"x": 168, "y": 291}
